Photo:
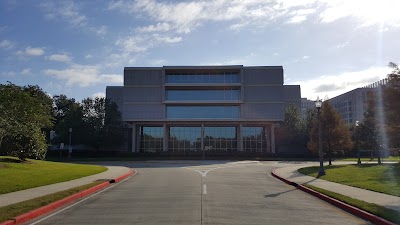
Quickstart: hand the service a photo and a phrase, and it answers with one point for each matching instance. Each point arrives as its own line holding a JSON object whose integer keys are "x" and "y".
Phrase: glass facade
{"x": 220, "y": 139}
{"x": 217, "y": 77}
{"x": 254, "y": 139}
{"x": 183, "y": 139}
{"x": 151, "y": 139}
{"x": 193, "y": 112}
{"x": 199, "y": 95}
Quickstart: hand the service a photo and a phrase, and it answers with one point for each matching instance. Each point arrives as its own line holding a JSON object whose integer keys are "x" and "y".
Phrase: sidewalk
{"x": 388, "y": 201}
{"x": 20, "y": 196}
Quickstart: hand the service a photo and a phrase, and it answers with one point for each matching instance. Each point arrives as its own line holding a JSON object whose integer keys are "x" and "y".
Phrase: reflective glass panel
{"x": 184, "y": 139}
{"x": 188, "y": 112}
{"x": 151, "y": 139}
{"x": 220, "y": 139}
{"x": 188, "y": 95}
{"x": 254, "y": 139}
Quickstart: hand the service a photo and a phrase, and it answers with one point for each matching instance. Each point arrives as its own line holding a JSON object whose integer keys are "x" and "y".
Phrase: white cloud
{"x": 158, "y": 62}
{"x": 66, "y": 10}
{"x": 88, "y": 56}
{"x": 129, "y": 47}
{"x": 334, "y": 85}
{"x": 83, "y": 76}
{"x": 163, "y": 27}
{"x": 8, "y": 74}
{"x": 29, "y": 51}
{"x": 6, "y": 44}
{"x": 183, "y": 17}
{"x": 26, "y": 71}
{"x": 69, "y": 12}
{"x": 99, "y": 95}
{"x": 60, "y": 58}
{"x": 366, "y": 12}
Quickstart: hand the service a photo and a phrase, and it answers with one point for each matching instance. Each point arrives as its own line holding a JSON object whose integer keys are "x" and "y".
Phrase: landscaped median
{"x": 17, "y": 175}
{"x": 383, "y": 178}
{"x": 42, "y": 173}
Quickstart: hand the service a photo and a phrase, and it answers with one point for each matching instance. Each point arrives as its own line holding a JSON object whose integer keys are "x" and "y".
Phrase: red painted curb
{"x": 45, "y": 209}
{"x": 349, "y": 208}
{"x": 8, "y": 222}
{"x": 281, "y": 178}
{"x": 120, "y": 178}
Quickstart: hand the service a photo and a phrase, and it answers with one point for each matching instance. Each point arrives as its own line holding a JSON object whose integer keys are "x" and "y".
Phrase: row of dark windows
{"x": 203, "y": 112}
{"x": 196, "y": 95}
{"x": 218, "y": 78}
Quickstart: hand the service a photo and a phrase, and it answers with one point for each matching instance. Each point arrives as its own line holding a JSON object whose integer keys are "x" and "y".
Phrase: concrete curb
{"x": 348, "y": 208}
{"x": 55, "y": 205}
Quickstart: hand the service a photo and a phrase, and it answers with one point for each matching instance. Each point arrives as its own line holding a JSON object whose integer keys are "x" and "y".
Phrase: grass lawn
{"x": 11, "y": 211}
{"x": 384, "y": 178}
{"x": 16, "y": 175}
{"x": 388, "y": 214}
{"x": 364, "y": 159}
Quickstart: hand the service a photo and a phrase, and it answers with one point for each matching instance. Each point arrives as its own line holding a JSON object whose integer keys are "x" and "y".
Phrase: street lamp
{"x": 70, "y": 147}
{"x": 318, "y": 105}
{"x": 357, "y": 140}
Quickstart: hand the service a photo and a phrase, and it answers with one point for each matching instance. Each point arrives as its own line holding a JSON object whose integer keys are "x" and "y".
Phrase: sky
{"x": 77, "y": 48}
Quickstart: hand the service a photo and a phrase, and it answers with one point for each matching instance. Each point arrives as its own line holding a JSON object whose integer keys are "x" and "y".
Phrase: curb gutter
{"x": 57, "y": 204}
{"x": 349, "y": 208}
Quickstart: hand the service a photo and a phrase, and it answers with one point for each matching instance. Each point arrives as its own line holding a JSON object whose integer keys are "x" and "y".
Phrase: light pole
{"x": 357, "y": 140}
{"x": 321, "y": 171}
{"x": 70, "y": 147}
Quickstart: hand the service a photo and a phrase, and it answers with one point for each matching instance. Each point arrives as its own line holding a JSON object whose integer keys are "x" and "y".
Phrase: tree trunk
{"x": 379, "y": 157}
{"x": 330, "y": 157}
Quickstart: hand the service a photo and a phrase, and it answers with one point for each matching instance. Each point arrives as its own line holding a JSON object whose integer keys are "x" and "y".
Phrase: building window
{"x": 151, "y": 139}
{"x": 203, "y": 112}
{"x": 202, "y": 95}
{"x": 208, "y": 78}
{"x": 220, "y": 139}
{"x": 254, "y": 139}
{"x": 184, "y": 139}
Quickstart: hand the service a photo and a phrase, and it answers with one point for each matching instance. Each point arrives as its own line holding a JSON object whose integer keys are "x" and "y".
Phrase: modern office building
{"x": 306, "y": 105}
{"x": 352, "y": 105}
{"x": 197, "y": 109}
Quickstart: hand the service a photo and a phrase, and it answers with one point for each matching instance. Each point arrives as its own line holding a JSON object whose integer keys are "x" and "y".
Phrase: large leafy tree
{"x": 24, "y": 113}
{"x": 95, "y": 122}
{"x": 366, "y": 134}
{"x": 335, "y": 135}
{"x": 104, "y": 122}
{"x": 292, "y": 133}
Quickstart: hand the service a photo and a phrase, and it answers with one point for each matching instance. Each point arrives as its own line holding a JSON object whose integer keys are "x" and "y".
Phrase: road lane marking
{"x": 76, "y": 203}
{"x": 204, "y": 189}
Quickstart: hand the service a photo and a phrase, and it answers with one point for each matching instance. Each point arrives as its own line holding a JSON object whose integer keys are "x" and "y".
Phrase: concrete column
{"x": 272, "y": 138}
{"x": 202, "y": 139}
{"x": 165, "y": 138}
{"x": 240, "y": 137}
{"x": 134, "y": 141}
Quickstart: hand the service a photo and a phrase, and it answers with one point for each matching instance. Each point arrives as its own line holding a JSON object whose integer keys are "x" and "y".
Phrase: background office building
{"x": 353, "y": 104}
{"x": 195, "y": 109}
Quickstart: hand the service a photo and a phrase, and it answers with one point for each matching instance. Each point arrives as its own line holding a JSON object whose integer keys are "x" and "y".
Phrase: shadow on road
{"x": 279, "y": 193}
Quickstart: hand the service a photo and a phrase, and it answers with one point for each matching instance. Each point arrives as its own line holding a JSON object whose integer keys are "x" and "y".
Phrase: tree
{"x": 367, "y": 132}
{"x": 335, "y": 135}
{"x": 24, "y": 112}
{"x": 293, "y": 130}
{"x": 391, "y": 93}
{"x": 104, "y": 122}
{"x": 95, "y": 122}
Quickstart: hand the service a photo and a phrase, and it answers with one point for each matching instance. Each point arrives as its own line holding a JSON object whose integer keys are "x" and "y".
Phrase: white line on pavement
{"x": 204, "y": 189}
